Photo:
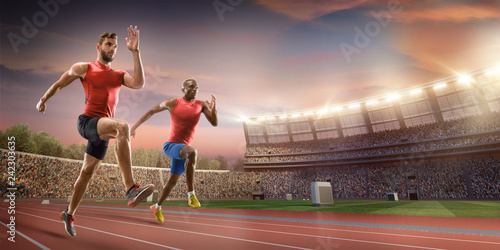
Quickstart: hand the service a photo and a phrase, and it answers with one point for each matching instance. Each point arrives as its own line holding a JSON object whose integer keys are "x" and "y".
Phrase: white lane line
{"x": 183, "y": 231}
{"x": 38, "y": 244}
{"x": 96, "y": 230}
{"x": 260, "y": 230}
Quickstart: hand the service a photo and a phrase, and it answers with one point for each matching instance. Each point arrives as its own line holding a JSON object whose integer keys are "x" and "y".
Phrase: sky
{"x": 256, "y": 57}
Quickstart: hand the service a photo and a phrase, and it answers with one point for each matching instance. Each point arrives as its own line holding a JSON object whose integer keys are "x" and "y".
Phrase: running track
{"x": 106, "y": 226}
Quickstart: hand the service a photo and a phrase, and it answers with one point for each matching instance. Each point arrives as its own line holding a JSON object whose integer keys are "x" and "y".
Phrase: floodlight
{"x": 392, "y": 97}
{"x": 464, "y": 78}
{"x": 416, "y": 91}
{"x": 439, "y": 86}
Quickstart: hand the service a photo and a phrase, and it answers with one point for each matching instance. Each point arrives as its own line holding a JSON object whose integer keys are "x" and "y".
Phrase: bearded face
{"x": 107, "y": 56}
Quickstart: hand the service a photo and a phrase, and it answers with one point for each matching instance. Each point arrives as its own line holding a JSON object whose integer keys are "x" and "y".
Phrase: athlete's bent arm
{"x": 162, "y": 106}
{"x": 210, "y": 111}
{"x": 78, "y": 70}
{"x": 137, "y": 81}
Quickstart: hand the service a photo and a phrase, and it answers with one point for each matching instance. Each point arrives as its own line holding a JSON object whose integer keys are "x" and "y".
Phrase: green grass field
{"x": 478, "y": 209}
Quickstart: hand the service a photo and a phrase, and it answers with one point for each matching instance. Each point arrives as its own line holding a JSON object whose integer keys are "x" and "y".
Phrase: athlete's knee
{"x": 87, "y": 171}
{"x": 122, "y": 128}
{"x": 192, "y": 153}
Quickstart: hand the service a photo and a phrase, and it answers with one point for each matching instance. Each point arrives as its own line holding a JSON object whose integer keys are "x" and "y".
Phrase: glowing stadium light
{"x": 271, "y": 118}
{"x": 283, "y": 116}
{"x": 308, "y": 113}
{"x": 493, "y": 71}
{"x": 261, "y": 118}
{"x": 440, "y": 86}
{"x": 392, "y": 97}
{"x": 464, "y": 79}
{"x": 322, "y": 112}
{"x": 337, "y": 108}
{"x": 416, "y": 91}
{"x": 295, "y": 115}
{"x": 353, "y": 106}
{"x": 372, "y": 102}
{"x": 244, "y": 119}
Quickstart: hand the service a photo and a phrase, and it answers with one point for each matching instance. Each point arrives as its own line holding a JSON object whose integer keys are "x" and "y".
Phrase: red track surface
{"x": 99, "y": 227}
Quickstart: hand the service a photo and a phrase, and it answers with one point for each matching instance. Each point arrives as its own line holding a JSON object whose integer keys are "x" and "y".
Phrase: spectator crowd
{"x": 41, "y": 176}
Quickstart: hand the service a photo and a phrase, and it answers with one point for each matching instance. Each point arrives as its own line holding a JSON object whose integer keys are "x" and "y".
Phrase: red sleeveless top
{"x": 184, "y": 118}
{"x": 102, "y": 86}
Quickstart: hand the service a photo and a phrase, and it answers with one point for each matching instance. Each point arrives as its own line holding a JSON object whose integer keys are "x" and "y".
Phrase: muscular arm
{"x": 137, "y": 80}
{"x": 78, "y": 70}
{"x": 162, "y": 106}
{"x": 210, "y": 111}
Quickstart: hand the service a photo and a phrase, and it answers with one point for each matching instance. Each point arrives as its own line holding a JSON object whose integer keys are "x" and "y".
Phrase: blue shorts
{"x": 173, "y": 150}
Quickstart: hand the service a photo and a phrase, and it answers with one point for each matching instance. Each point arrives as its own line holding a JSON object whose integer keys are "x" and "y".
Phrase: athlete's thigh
{"x": 108, "y": 128}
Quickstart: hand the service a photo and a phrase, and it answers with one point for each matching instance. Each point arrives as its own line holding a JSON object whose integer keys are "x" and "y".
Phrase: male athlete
{"x": 97, "y": 123}
{"x": 185, "y": 114}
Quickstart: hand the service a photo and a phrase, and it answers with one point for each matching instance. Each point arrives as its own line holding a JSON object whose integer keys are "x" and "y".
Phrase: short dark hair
{"x": 105, "y": 35}
{"x": 189, "y": 80}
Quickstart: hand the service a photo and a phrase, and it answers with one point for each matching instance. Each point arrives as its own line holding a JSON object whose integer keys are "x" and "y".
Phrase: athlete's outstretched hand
{"x": 212, "y": 105}
{"x": 40, "y": 106}
{"x": 133, "y": 38}
{"x": 132, "y": 132}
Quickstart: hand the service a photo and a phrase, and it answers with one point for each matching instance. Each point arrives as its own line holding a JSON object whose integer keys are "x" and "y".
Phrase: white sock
{"x": 189, "y": 193}
{"x": 157, "y": 206}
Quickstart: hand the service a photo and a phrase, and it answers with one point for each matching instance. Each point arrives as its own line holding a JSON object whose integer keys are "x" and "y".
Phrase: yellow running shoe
{"x": 157, "y": 212}
{"x": 193, "y": 202}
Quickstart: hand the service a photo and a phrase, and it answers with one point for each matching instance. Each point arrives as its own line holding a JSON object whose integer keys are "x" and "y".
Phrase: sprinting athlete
{"x": 97, "y": 123}
{"x": 185, "y": 114}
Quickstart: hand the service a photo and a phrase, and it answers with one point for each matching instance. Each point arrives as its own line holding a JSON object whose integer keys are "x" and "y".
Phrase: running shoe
{"x": 69, "y": 222}
{"x": 136, "y": 194}
{"x": 157, "y": 212}
{"x": 193, "y": 202}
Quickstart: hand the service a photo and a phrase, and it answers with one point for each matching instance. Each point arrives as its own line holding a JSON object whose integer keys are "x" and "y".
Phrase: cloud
{"x": 455, "y": 14}
{"x": 309, "y": 10}
{"x": 448, "y": 48}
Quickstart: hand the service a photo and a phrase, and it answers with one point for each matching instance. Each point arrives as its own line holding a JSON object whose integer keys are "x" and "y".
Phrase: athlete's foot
{"x": 158, "y": 214}
{"x": 193, "y": 202}
{"x": 136, "y": 194}
{"x": 69, "y": 222}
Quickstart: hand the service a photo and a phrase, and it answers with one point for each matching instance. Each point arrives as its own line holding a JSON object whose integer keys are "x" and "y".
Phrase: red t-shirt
{"x": 102, "y": 86}
{"x": 184, "y": 118}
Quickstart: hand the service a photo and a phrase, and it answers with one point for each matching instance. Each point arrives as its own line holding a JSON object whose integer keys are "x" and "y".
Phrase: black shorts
{"x": 87, "y": 127}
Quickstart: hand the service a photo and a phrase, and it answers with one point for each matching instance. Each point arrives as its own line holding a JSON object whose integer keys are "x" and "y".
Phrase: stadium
{"x": 439, "y": 141}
